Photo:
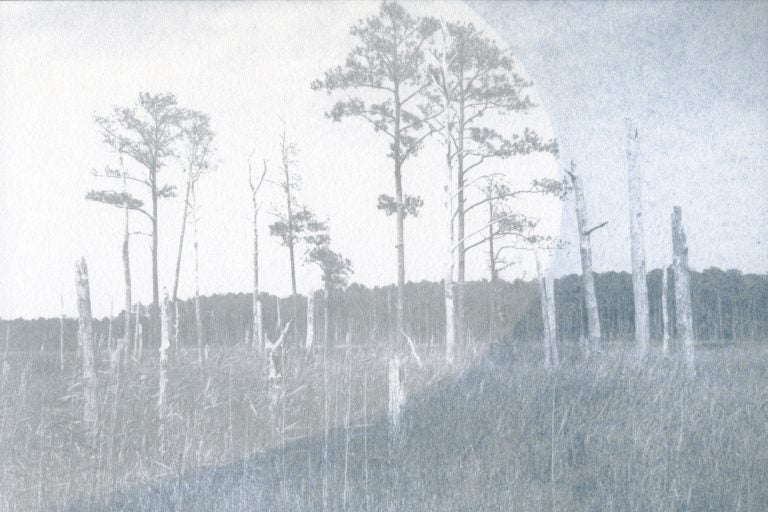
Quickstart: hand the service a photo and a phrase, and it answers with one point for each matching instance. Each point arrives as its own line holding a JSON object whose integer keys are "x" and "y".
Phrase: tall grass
{"x": 495, "y": 433}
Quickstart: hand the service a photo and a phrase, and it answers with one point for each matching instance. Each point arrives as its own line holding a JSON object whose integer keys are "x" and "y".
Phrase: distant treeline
{"x": 727, "y": 305}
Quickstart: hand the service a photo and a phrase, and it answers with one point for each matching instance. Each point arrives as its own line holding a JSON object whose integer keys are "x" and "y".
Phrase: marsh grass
{"x": 496, "y": 432}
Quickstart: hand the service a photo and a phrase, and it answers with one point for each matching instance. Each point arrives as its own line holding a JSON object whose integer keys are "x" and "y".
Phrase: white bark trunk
{"x": 126, "y": 267}
{"x": 260, "y": 328}
{"x": 396, "y": 378}
{"x": 201, "y": 348}
{"x": 85, "y": 346}
{"x": 585, "y": 249}
{"x": 639, "y": 284}
{"x": 683, "y": 311}
{"x": 165, "y": 344}
{"x": 665, "y": 324}
{"x": 310, "y": 337}
{"x": 450, "y": 321}
{"x": 258, "y": 339}
{"x": 547, "y": 337}
{"x": 552, "y": 319}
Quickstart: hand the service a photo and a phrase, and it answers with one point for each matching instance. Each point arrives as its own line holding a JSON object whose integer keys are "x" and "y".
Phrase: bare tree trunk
{"x": 492, "y": 267}
{"x": 639, "y": 284}
{"x": 461, "y": 317}
{"x": 396, "y": 377}
{"x": 85, "y": 345}
{"x": 258, "y": 340}
{"x": 174, "y": 297}
{"x": 126, "y": 266}
{"x": 585, "y": 250}
{"x": 198, "y": 318}
{"x": 310, "y": 338}
{"x": 138, "y": 344}
{"x": 327, "y": 317}
{"x": 547, "y": 335}
{"x": 450, "y": 322}
{"x": 552, "y": 319}
{"x": 165, "y": 343}
{"x": 155, "y": 308}
{"x": 665, "y": 324}
{"x": 683, "y": 311}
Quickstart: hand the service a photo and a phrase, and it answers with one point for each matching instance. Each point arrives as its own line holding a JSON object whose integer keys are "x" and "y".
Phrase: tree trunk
{"x": 396, "y": 378}
{"x": 460, "y": 230}
{"x": 545, "y": 323}
{"x": 400, "y": 300}
{"x": 126, "y": 267}
{"x": 198, "y": 317}
{"x": 310, "y": 337}
{"x": 450, "y": 323}
{"x": 639, "y": 284}
{"x": 585, "y": 250}
{"x": 138, "y": 340}
{"x": 683, "y": 312}
{"x": 174, "y": 297}
{"x": 552, "y": 319}
{"x": 327, "y": 317}
{"x": 154, "y": 310}
{"x": 494, "y": 272}
{"x": 165, "y": 343}
{"x": 665, "y": 324}
{"x": 85, "y": 345}
{"x": 258, "y": 339}
{"x": 291, "y": 241}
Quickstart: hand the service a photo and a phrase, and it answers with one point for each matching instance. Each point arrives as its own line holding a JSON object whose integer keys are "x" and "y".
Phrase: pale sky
{"x": 245, "y": 64}
{"x": 694, "y": 76}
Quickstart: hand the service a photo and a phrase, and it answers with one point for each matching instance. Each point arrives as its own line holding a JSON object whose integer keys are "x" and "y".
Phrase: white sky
{"x": 245, "y": 64}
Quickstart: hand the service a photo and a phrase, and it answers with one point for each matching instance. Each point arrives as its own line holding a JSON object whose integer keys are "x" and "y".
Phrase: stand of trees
{"x": 728, "y": 306}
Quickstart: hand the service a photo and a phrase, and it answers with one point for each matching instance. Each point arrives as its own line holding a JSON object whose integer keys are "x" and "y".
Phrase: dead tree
{"x": 310, "y": 338}
{"x": 639, "y": 284}
{"x": 199, "y": 149}
{"x": 683, "y": 312}
{"x": 585, "y": 251}
{"x": 548, "y": 318}
{"x": 396, "y": 378}
{"x": 85, "y": 346}
{"x": 258, "y": 330}
{"x": 165, "y": 343}
{"x": 270, "y": 348}
{"x": 665, "y": 323}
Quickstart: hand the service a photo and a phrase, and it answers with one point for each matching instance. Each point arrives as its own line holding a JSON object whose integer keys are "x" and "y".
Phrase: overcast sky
{"x": 692, "y": 75}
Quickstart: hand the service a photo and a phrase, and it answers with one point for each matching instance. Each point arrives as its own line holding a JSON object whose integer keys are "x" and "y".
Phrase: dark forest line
{"x": 727, "y": 306}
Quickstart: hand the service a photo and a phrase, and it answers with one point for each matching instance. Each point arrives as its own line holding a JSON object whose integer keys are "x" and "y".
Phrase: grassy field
{"x": 498, "y": 432}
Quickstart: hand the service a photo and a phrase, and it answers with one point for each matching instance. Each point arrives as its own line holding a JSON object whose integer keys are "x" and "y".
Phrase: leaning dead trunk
{"x": 198, "y": 319}
{"x": 639, "y": 284}
{"x": 85, "y": 345}
{"x": 683, "y": 311}
{"x": 665, "y": 324}
{"x": 175, "y": 296}
{"x": 585, "y": 251}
